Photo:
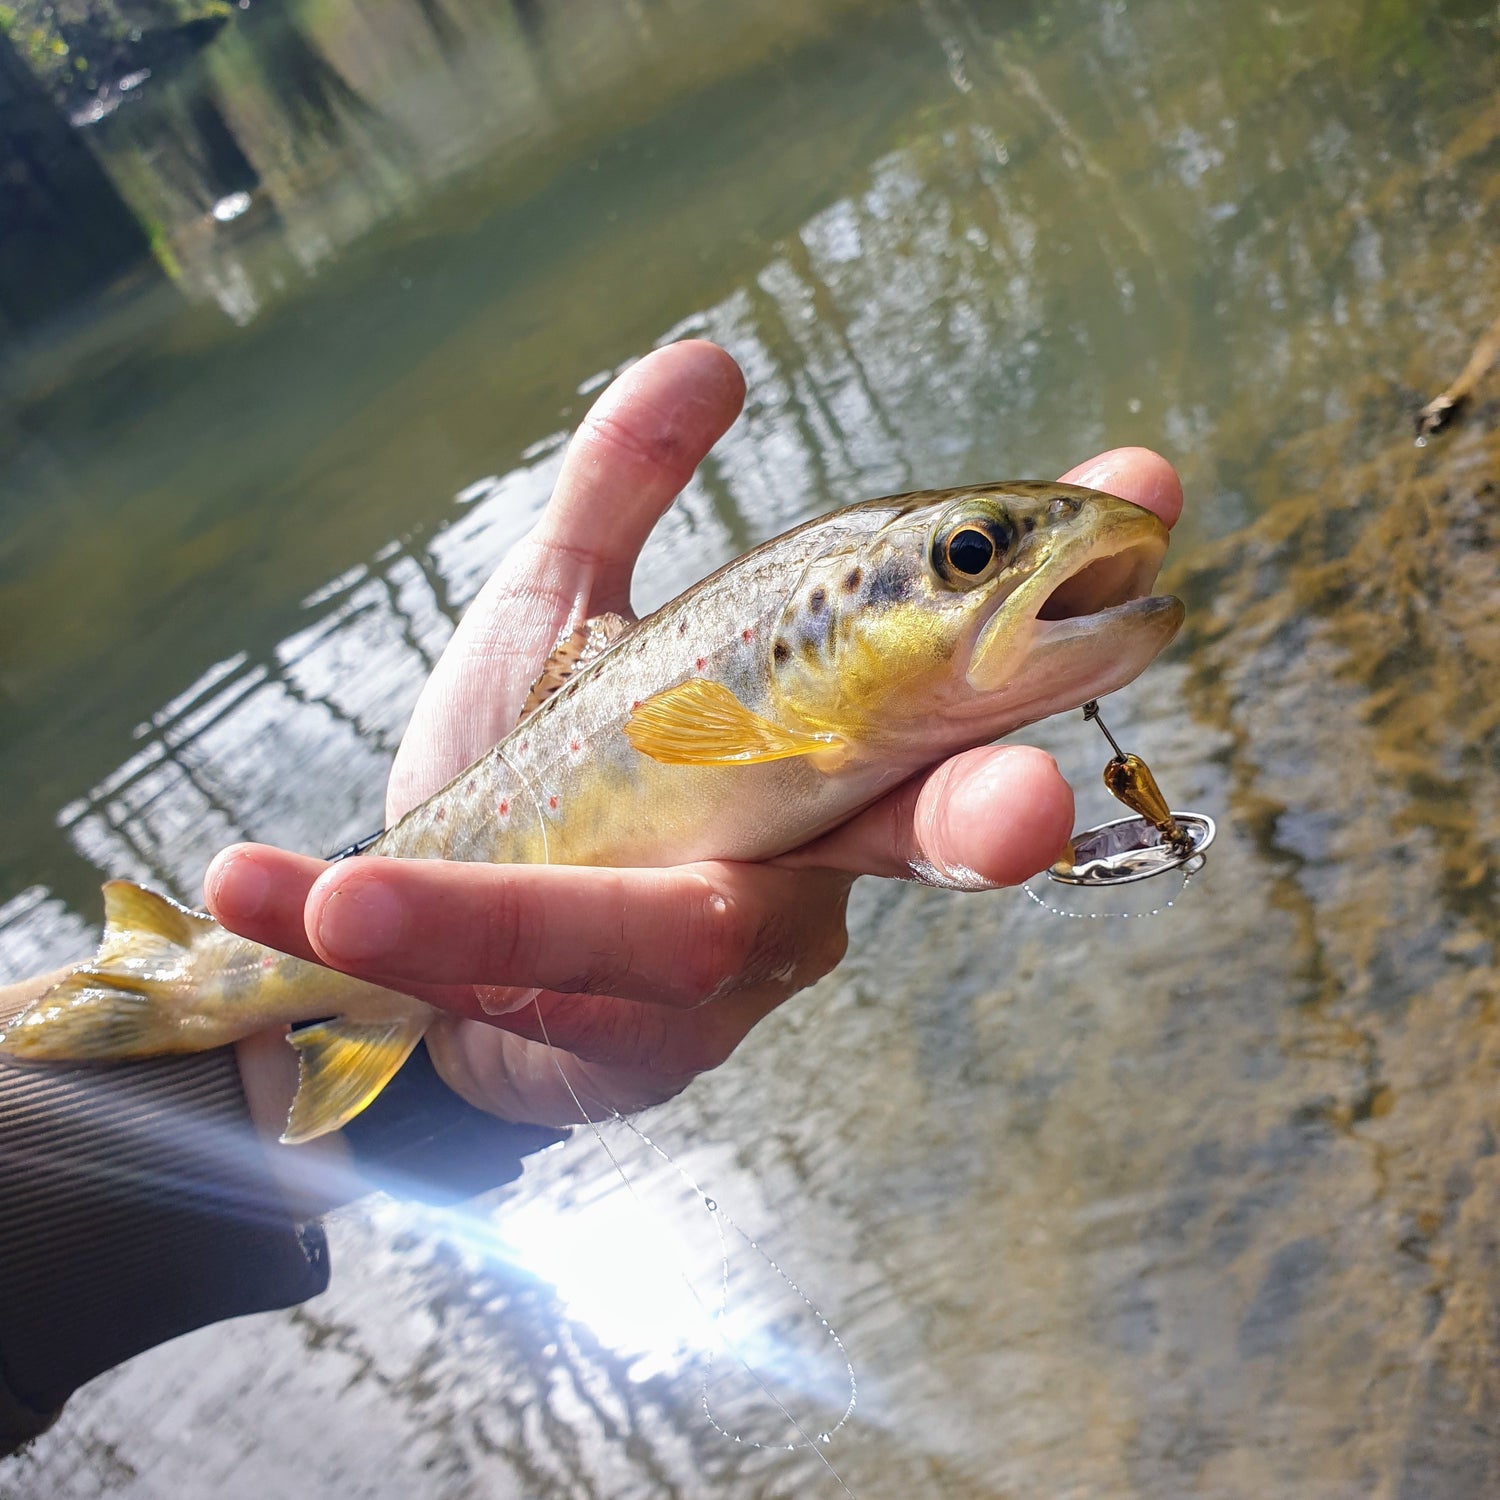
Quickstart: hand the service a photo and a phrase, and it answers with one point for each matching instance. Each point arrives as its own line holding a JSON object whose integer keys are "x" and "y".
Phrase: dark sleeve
{"x": 136, "y": 1203}
{"x": 419, "y": 1140}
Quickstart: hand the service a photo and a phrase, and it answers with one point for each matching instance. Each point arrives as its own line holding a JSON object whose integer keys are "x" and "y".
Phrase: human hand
{"x": 639, "y": 979}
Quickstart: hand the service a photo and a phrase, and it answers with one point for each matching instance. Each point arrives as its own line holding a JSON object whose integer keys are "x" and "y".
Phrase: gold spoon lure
{"x": 1153, "y": 842}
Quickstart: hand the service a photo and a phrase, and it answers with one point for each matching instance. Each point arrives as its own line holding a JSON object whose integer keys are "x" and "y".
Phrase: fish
{"x": 764, "y": 706}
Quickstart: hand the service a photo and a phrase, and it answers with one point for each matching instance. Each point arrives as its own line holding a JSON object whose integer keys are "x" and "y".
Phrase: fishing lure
{"x": 1126, "y": 851}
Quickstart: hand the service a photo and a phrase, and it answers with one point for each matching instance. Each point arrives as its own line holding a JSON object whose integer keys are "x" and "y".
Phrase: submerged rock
{"x": 1347, "y": 646}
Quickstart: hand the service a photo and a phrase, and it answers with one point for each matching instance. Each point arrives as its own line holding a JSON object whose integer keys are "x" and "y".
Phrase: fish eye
{"x": 967, "y": 549}
{"x": 970, "y": 551}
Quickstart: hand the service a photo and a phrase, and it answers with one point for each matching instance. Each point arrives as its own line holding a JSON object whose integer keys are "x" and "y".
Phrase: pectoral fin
{"x": 341, "y": 1067}
{"x": 701, "y": 723}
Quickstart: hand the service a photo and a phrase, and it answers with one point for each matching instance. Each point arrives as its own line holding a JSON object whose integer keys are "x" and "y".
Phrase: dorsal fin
{"x": 582, "y": 644}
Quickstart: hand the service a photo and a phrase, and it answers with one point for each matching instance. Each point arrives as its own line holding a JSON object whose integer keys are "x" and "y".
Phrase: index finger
{"x": 436, "y": 928}
{"x": 631, "y": 455}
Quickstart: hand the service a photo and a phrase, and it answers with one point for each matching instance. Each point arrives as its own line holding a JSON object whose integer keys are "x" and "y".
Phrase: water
{"x": 1197, "y": 1206}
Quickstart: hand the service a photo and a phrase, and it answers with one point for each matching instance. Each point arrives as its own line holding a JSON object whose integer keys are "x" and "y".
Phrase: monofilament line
{"x": 1093, "y": 916}
{"x": 720, "y": 1220}
{"x": 715, "y": 1319}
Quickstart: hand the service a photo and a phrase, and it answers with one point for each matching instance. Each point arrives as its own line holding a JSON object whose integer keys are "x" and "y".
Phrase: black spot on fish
{"x": 890, "y": 583}
{"x": 781, "y": 651}
{"x": 817, "y": 599}
{"x": 852, "y": 580}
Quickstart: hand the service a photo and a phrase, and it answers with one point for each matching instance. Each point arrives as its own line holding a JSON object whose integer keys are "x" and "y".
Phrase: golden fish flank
{"x": 760, "y": 708}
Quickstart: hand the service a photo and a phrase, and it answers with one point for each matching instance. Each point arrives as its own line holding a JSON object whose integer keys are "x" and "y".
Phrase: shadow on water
{"x": 67, "y": 233}
{"x": 1200, "y": 1206}
{"x": 446, "y": 30}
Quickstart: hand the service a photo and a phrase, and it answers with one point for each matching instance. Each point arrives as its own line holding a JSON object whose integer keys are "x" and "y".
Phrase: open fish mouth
{"x": 1110, "y": 562}
{"x": 1104, "y": 583}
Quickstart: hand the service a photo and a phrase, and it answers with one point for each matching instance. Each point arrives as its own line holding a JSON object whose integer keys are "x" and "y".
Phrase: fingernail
{"x": 503, "y": 999}
{"x": 1099, "y": 474}
{"x": 240, "y": 889}
{"x": 359, "y": 921}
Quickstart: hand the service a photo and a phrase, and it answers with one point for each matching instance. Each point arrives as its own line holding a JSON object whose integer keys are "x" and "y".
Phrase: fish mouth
{"x": 1087, "y": 611}
{"x": 1104, "y": 583}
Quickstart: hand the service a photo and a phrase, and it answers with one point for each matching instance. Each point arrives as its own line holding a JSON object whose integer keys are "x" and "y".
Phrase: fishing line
{"x": 715, "y": 1318}
{"x": 1056, "y": 910}
{"x": 536, "y": 802}
{"x": 720, "y": 1218}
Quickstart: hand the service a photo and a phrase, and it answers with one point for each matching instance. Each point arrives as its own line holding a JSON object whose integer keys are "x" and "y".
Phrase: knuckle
{"x": 611, "y": 962}
{"x": 608, "y": 437}
{"x": 603, "y": 976}
{"x": 628, "y": 1034}
{"x": 902, "y": 812}
{"x": 826, "y": 951}
{"x": 653, "y": 1045}
{"x": 603, "y": 436}
{"x": 510, "y": 924}
{"x": 779, "y": 953}
{"x": 696, "y": 1050}
{"x": 805, "y": 937}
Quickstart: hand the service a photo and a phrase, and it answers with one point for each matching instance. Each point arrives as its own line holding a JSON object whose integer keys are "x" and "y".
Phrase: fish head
{"x": 964, "y": 614}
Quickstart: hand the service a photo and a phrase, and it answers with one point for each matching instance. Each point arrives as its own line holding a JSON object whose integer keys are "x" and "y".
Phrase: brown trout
{"x": 762, "y": 707}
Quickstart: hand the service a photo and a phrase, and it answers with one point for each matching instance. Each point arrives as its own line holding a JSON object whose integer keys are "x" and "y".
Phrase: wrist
{"x": 419, "y": 1140}
{"x": 316, "y": 1176}
{"x": 187, "y": 1220}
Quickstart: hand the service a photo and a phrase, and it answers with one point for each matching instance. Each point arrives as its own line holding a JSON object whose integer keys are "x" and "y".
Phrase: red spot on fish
{"x": 701, "y": 663}
{"x": 747, "y": 635}
{"x": 552, "y": 802}
{"x": 505, "y": 807}
{"x": 470, "y": 789}
{"x": 523, "y": 745}
{"x": 635, "y": 704}
{"x": 268, "y": 962}
{"x": 439, "y": 813}
{"x": 575, "y": 746}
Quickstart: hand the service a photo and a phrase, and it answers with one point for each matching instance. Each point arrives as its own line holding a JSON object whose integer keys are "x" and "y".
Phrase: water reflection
{"x": 335, "y": 126}
{"x": 332, "y": 701}
{"x": 1196, "y": 1206}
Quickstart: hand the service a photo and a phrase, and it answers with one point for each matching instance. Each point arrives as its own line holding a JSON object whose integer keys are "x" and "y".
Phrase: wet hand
{"x": 638, "y": 979}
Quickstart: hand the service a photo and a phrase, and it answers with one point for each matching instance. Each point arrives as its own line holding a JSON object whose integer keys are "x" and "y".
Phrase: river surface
{"x": 1202, "y": 1205}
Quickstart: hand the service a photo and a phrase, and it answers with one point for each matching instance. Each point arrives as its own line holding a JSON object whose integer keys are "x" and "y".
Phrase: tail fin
{"x": 150, "y": 989}
{"x": 120, "y": 1003}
